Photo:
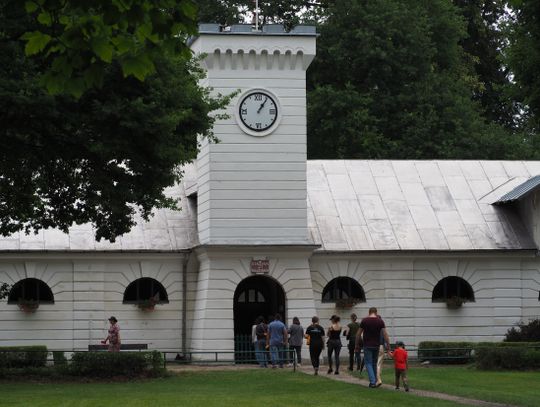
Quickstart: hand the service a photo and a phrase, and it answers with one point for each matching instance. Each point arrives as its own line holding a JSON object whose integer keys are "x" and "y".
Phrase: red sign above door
{"x": 260, "y": 266}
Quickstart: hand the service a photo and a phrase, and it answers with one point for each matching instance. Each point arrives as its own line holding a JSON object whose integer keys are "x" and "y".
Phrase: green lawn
{"x": 519, "y": 388}
{"x": 207, "y": 389}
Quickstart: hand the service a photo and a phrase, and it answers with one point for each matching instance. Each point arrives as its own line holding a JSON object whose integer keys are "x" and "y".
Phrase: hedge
{"x": 514, "y": 357}
{"x": 59, "y": 358}
{"x": 445, "y": 352}
{"x": 109, "y": 364}
{"x": 23, "y": 356}
{"x": 478, "y": 345}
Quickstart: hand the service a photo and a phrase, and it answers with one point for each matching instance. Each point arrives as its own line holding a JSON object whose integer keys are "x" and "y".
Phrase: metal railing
{"x": 243, "y": 357}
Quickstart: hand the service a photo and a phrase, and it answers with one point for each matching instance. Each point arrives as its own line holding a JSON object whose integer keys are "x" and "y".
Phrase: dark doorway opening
{"x": 255, "y": 296}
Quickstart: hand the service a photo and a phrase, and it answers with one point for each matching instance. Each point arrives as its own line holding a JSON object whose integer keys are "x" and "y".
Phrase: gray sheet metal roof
{"x": 520, "y": 191}
{"x": 354, "y": 205}
{"x": 415, "y": 205}
{"x": 166, "y": 231}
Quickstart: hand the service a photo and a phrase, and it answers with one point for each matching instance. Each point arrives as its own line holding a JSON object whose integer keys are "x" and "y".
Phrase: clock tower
{"x": 252, "y": 184}
{"x": 253, "y": 258}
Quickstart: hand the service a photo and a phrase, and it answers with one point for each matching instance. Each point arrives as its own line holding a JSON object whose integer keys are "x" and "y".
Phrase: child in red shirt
{"x": 400, "y": 357}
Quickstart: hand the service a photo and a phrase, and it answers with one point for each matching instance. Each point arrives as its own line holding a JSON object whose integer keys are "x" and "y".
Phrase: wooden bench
{"x": 123, "y": 346}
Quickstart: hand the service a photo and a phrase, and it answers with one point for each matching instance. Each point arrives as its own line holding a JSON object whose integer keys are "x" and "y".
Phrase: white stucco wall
{"x": 221, "y": 270}
{"x": 505, "y": 287}
{"x": 88, "y": 289}
{"x": 252, "y": 189}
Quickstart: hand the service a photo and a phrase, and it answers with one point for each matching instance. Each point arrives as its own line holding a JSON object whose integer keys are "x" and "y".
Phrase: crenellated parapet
{"x": 240, "y": 48}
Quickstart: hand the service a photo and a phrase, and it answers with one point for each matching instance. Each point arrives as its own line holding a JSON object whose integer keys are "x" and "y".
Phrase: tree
{"x": 287, "y": 12}
{"x": 484, "y": 43}
{"x": 224, "y": 12}
{"x": 391, "y": 81}
{"x": 78, "y": 39}
{"x": 523, "y": 57}
{"x": 98, "y": 159}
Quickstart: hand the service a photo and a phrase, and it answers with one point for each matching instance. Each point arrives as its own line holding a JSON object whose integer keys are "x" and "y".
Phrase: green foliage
{"x": 59, "y": 358}
{"x": 109, "y": 364}
{"x": 391, "y": 81}
{"x": 523, "y": 58}
{"x": 445, "y": 352}
{"x": 484, "y": 41}
{"x": 287, "y": 12}
{"x": 80, "y": 38}
{"x": 98, "y": 159}
{"x": 507, "y": 357}
{"x": 4, "y": 290}
{"x": 524, "y": 332}
{"x": 478, "y": 345}
{"x": 22, "y": 356}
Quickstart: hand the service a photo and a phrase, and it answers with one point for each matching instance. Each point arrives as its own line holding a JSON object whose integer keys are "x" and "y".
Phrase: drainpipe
{"x": 185, "y": 261}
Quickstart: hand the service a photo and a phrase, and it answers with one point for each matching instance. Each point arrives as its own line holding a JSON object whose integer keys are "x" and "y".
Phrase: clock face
{"x": 258, "y": 111}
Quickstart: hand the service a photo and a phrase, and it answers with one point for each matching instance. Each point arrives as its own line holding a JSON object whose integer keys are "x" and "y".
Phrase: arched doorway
{"x": 255, "y": 296}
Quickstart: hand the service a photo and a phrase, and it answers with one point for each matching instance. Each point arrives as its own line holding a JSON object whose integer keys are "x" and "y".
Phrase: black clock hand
{"x": 262, "y": 105}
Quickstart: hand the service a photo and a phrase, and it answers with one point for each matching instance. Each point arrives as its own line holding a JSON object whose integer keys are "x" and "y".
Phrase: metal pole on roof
{"x": 256, "y": 15}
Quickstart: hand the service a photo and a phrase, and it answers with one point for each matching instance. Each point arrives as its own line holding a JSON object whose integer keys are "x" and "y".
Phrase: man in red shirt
{"x": 400, "y": 357}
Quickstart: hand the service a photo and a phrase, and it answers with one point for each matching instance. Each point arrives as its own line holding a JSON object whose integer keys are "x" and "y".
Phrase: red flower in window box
{"x": 455, "y": 302}
{"x": 347, "y": 302}
{"x": 28, "y": 306}
{"x": 149, "y": 304}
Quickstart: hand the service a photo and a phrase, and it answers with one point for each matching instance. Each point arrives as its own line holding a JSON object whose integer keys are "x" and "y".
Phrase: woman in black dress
{"x": 315, "y": 337}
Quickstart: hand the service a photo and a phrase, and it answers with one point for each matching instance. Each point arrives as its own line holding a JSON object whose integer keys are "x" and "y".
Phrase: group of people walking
{"x": 369, "y": 335}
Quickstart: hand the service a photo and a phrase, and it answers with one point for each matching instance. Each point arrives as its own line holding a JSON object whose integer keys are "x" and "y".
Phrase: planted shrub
{"x": 109, "y": 364}
{"x": 59, "y": 358}
{"x": 524, "y": 332}
{"x": 496, "y": 357}
{"x": 445, "y": 352}
{"x": 23, "y": 356}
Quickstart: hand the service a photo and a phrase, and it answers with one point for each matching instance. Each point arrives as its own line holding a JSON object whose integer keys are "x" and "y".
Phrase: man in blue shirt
{"x": 277, "y": 335}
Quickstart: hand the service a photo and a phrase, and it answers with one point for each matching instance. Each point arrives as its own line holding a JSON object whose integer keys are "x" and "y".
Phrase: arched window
{"x": 452, "y": 287}
{"x": 343, "y": 288}
{"x": 144, "y": 289}
{"x": 30, "y": 289}
{"x": 251, "y": 295}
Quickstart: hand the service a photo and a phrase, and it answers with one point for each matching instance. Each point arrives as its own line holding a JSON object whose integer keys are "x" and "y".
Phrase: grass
{"x": 235, "y": 388}
{"x": 518, "y": 388}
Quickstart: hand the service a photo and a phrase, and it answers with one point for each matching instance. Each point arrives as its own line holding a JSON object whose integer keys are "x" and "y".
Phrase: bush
{"x": 23, "y": 356}
{"x": 496, "y": 357}
{"x": 109, "y": 364}
{"x": 59, "y": 358}
{"x": 37, "y": 373}
{"x": 445, "y": 352}
{"x": 507, "y": 344}
{"x": 524, "y": 332}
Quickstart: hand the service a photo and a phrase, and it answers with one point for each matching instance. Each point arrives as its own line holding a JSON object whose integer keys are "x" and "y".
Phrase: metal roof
{"x": 520, "y": 191}
{"x": 166, "y": 231}
{"x": 415, "y": 205}
{"x": 354, "y": 205}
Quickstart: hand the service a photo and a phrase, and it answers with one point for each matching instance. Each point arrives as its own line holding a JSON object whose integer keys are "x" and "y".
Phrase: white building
{"x": 263, "y": 230}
